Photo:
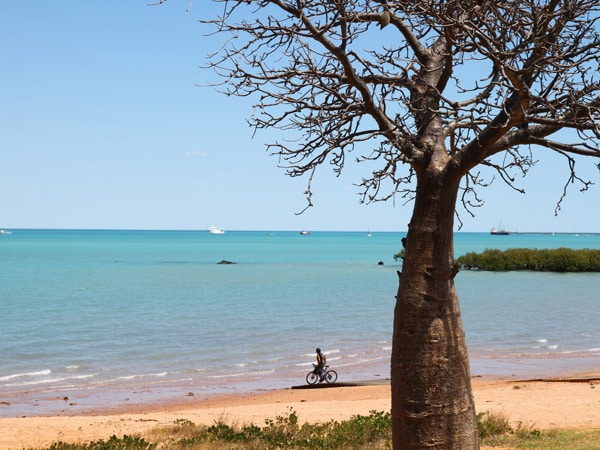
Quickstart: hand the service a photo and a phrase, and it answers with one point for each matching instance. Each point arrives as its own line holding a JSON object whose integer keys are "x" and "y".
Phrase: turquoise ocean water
{"x": 109, "y": 317}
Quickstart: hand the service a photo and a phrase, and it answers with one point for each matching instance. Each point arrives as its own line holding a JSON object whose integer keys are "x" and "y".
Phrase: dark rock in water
{"x": 224, "y": 261}
{"x": 380, "y": 263}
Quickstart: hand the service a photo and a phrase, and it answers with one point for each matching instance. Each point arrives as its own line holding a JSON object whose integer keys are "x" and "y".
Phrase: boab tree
{"x": 425, "y": 93}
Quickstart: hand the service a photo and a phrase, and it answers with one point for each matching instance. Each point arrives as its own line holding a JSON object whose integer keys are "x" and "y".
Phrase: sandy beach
{"x": 543, "y": 403}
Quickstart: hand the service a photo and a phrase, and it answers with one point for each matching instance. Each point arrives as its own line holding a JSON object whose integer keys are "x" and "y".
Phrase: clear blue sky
{"x": 102, "y": 126}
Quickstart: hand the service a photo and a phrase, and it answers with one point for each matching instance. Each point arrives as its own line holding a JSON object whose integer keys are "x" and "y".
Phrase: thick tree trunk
{"x": 432, "y": 401}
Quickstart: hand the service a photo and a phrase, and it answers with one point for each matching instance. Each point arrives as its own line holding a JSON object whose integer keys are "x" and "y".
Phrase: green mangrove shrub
{"x": 546, "y": 260}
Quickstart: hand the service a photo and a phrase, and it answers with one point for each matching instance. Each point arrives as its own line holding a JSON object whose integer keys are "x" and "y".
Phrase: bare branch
{"x": 160, "y": 2}
{"x": 414, "y": 86}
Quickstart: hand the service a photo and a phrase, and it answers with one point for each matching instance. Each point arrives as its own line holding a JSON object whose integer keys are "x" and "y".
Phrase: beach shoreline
{"x": 138, "y": 392}
{"x": 560, "y": 402}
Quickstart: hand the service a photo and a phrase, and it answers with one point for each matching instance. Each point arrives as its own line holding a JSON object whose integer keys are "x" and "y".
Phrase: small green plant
{"x": 282, "y": 430}
{"x": 223, "y": 432}
{"x": 492, "y": 424}
{"x": 494, "y": 429}
{"x": 399, "y": 255}
{"x": 364, "y": 431}
{"x": 184, "y": 423}
{"x": 525, "y": 432}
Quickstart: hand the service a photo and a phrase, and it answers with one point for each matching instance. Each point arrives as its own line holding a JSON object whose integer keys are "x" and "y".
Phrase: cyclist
{"x": 321, "y": 360}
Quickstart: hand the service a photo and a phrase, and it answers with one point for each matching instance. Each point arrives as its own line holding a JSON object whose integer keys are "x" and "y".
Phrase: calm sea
{"x": 101, "y": 318}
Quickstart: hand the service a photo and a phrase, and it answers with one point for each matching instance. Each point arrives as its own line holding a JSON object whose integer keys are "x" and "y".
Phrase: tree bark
{"x": 432, "y": 401}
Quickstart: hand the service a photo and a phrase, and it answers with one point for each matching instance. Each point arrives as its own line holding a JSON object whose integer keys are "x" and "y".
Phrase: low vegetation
{"x": 495, "y": 431}
{"x": 548, "y": 260}
{"x": 360, "y": 432}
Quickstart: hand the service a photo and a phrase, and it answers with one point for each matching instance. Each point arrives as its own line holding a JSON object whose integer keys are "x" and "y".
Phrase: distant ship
{"x": 215, "y": 230}
{"x": 5, "y": 232}
{"x": 499, "y": 232}
{"x": 305, "y": 233}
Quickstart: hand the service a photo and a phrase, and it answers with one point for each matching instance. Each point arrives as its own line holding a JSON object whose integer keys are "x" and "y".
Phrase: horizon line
{"x": 236, "y": 230}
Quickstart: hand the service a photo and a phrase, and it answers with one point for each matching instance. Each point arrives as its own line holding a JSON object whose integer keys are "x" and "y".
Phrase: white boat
{"x": 305, "y": 233}
{"x": 215, "y": 230}
{"x": 5, "y": 232}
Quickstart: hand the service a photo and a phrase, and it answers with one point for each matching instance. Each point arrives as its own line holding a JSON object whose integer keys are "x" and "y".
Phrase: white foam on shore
{"x": 26, "y": 375}
{"x": 45, "y": 381}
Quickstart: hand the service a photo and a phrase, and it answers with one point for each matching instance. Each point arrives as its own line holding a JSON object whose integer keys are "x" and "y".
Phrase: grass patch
{"x": 285, "y": 432}
{"x": 114, "y": 443}
{"x": 495, "y": 431}
{"x": 549, "y": 440}
{"x": 359, "y": 432}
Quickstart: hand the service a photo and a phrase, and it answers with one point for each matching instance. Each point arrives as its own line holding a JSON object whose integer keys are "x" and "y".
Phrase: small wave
{"x": 146, "y": 375}
{"x": 48, "y": 380}
{"x": 303, "y": 364}
{"x": 237, "y": 375}
{"x": 325, "y": 352}
{"x": 309, "y": 363}
{"x": 262, "y": 372}
{"x": 592, "y": 335}
{"x": 276, "y": 359}
{"x": 542, "y": 341}
{"x": 362, "y": 361}
{"x": 26, "y": 375}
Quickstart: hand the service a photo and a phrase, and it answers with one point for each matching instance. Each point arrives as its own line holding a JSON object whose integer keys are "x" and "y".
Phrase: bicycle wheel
{"x": 312, "y": 378}
{"x": 331, "y": 376}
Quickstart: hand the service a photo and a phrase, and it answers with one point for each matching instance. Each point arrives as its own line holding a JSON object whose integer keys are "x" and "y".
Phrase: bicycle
{"x": 328, "y": 375}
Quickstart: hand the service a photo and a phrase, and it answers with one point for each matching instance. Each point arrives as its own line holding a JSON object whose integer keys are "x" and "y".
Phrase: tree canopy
{"x": 388, "y": 81}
